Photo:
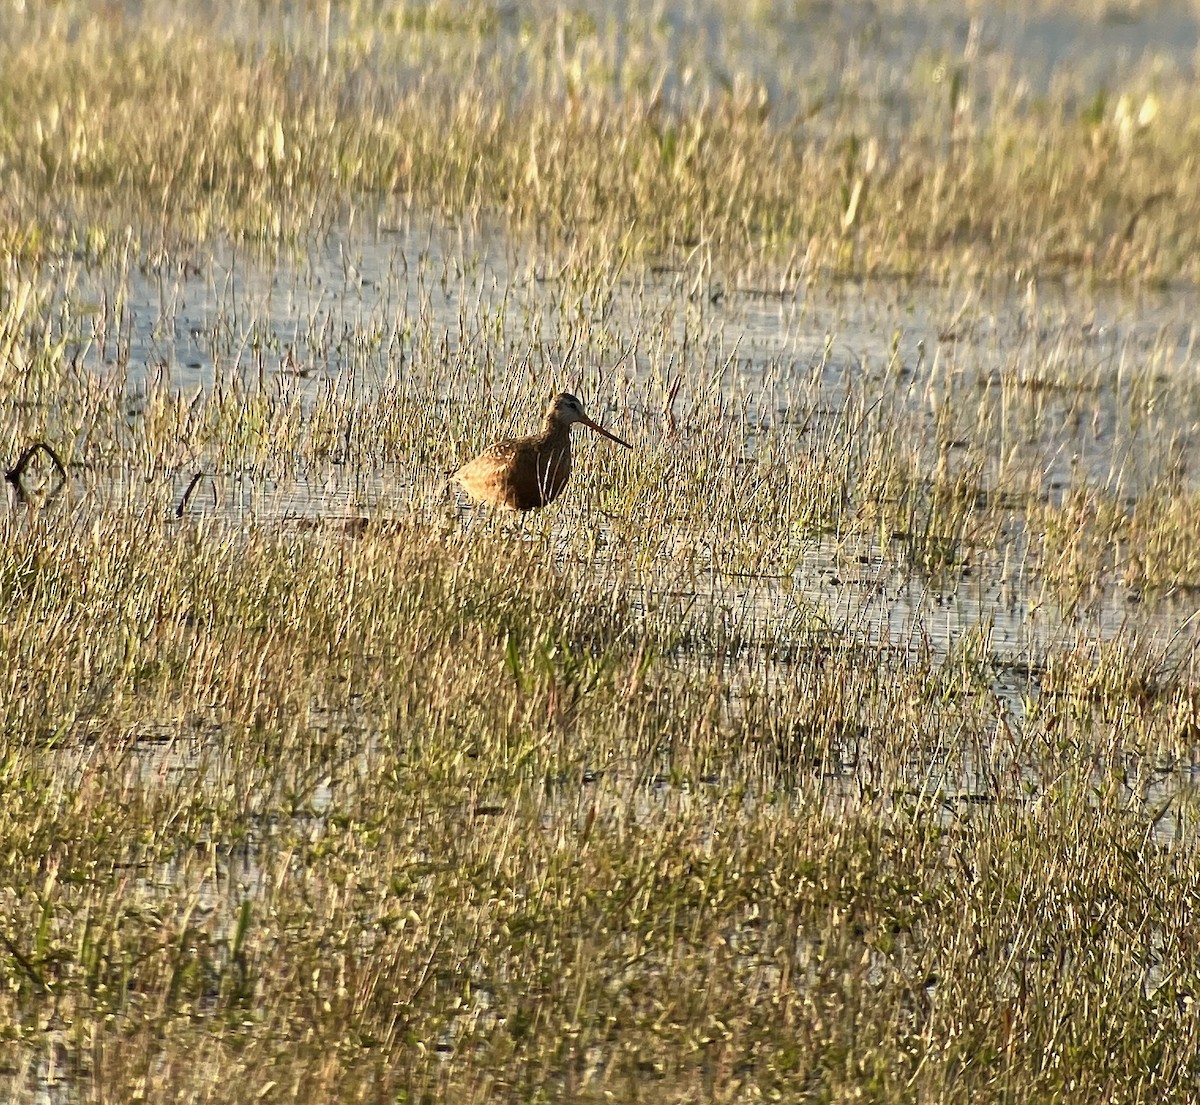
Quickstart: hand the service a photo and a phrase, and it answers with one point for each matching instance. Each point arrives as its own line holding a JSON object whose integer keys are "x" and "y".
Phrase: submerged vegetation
{"x": 838, "y": 742}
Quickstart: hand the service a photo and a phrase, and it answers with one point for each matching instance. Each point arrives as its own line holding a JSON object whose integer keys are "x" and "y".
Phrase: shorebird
{"x": 528, "y": 472}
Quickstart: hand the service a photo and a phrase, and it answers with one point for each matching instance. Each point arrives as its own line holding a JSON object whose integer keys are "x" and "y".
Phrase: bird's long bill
{"x": 601, "y": 430}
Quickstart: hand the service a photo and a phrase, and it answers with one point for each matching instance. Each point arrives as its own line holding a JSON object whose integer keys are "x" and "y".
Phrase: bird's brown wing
{"x": 521, "y": 474}
{"x": 491, "y": 476}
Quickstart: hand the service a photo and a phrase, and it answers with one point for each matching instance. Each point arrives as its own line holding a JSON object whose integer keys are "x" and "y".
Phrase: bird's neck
{"x": 556, "y": 433}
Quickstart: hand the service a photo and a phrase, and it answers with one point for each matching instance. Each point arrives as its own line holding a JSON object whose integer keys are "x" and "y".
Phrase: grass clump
{"x": 606, "y": 151}
{"x": 362, "y": 813}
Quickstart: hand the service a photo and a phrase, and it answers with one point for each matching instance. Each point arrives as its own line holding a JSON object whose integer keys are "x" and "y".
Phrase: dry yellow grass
{"x": 313, "y": 802}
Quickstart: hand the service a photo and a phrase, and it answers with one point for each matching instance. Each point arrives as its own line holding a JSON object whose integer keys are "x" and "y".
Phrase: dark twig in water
{"x": 17, "y": 471}
{"x": 188, "y": 494}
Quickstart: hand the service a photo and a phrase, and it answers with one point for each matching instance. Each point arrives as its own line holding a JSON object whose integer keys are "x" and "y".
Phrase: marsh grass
{"x": 438, "y": 829}
{"x": 383, "y": 799}
{"x": 609, "y": 146}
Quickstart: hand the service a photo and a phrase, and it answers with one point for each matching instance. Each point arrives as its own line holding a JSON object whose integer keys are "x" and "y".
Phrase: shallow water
{"x": 442, "y": 309}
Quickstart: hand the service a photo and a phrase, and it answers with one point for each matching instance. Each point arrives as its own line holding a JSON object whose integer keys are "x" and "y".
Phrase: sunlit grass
{"x": 837, "y": 741}
{"x": 607, "y": 154}
{"x": 367, "y": 811}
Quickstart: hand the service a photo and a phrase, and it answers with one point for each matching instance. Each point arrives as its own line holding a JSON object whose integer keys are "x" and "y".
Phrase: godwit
{"x": 527, "y": 472}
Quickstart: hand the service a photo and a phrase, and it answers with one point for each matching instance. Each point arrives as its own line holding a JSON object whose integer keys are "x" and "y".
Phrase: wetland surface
{"x": 839, "y": 741}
